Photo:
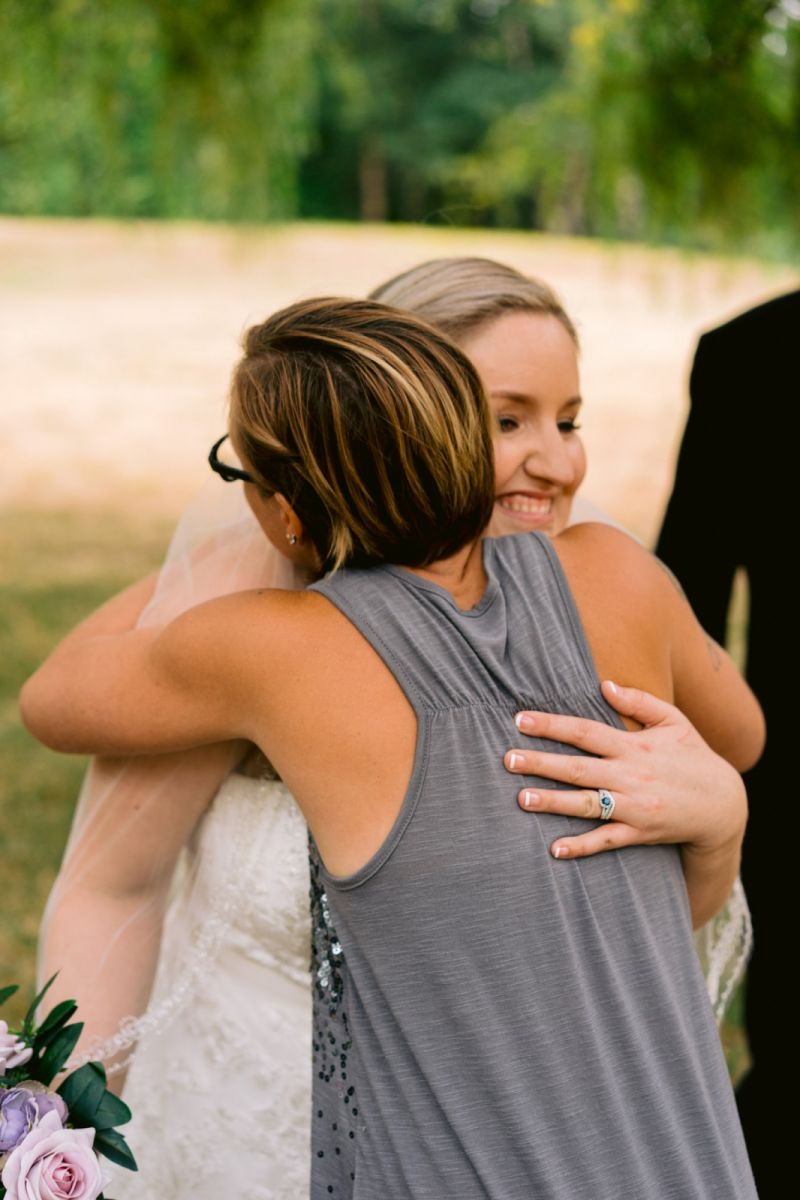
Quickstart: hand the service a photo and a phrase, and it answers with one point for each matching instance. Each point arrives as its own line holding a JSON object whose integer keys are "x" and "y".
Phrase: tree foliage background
{"x": 675, "y": 120}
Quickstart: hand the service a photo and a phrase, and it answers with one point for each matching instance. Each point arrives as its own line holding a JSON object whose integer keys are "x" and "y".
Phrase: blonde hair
{"x": 458, "y": 295}
{"x": 373, "y": 425}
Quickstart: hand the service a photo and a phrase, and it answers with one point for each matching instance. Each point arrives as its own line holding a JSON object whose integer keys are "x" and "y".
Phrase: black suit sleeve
{"x": 695, "y": 539}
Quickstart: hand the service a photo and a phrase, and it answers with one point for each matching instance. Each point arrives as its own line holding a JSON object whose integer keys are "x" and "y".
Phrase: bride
{"x": 180, "y": 917}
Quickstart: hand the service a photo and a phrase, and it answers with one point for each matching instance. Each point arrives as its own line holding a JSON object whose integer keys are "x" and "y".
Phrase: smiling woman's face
{"x": 529, "y": 366}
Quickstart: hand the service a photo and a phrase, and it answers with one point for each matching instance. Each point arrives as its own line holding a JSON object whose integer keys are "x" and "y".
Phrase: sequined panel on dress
{"x": 336, "y": 1120}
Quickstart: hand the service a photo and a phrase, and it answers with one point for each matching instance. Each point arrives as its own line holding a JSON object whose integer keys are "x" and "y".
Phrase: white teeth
{"x": 527, "y": 504}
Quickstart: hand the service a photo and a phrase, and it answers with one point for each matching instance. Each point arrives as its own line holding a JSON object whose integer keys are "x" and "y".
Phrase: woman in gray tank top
{"x": 490, "y": 1023}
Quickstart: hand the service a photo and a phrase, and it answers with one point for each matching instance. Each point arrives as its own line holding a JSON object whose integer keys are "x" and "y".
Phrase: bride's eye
{"x": 507, "y": 424}
{"x": 569, "y": 425}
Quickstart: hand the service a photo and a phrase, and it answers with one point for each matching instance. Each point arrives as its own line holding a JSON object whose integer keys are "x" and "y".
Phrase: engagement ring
{"x": 607, "y": 803}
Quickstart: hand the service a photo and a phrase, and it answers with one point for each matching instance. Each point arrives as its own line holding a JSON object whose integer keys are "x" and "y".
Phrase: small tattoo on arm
{"x": 672, "y": 578}
{"x": 714, "y": 650}
{"x": 715, "y": 653}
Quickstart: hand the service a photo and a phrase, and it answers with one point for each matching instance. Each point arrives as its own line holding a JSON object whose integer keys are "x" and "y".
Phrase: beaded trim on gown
{"x": 220, "y": 1088}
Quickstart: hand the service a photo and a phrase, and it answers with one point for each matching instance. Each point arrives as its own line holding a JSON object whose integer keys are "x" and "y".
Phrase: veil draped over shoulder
{"x": 104, "y": 918}
{"x": 103, "y": 921}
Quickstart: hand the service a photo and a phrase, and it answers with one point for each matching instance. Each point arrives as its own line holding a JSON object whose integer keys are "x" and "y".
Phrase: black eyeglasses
{"x": 225, "y": 470}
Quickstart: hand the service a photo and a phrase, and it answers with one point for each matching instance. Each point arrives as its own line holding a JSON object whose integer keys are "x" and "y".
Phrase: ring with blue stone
{"x": 607, "y": 803}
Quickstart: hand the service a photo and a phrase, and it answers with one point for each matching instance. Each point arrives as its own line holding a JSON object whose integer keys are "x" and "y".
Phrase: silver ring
{"x": 607, "y": 803}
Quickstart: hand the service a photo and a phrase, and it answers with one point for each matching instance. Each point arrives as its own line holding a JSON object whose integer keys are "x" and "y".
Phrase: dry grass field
{"x": 118, "y": 340}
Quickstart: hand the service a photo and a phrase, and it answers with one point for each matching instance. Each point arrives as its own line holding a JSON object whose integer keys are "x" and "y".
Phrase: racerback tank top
{"x": 490, "y": 1022}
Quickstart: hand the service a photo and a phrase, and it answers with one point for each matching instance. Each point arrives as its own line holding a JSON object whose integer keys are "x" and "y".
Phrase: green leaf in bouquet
{"x": 7, "y": 992}
{"x": 56, "y": 1019}
{"x": 30, "y": 1015}
{"x": 111, "y": 1111}
{"x": 113, "y": 1145}
{"x": 47, "y": 1067}
{"x": 89, "y": 1102}
{"x": 82, "y": 1092}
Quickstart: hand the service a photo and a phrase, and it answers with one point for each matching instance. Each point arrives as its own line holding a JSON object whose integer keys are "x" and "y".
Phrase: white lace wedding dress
{"x": 220, "y": 1084}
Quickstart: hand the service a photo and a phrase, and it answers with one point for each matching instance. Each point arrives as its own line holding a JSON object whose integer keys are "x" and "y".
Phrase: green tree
{"x": 409, "y": 87}
{"x": 145, "y": 107}
{"x": 671, "y": 119}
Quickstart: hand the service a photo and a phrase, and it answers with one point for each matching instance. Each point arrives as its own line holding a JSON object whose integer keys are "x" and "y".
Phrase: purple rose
{"x": 53, "y": 1163}
{"x": 21, "y": 1110}
{"x": 13, "y": 1051}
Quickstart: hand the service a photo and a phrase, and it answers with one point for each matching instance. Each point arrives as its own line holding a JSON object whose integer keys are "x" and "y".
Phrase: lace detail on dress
{"x": 221, "y": 1095}
{"x": 724, "y": 944}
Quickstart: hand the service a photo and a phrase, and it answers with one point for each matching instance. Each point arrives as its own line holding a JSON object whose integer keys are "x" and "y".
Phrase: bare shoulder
{"x": 592, "y": 539}
{"x": 260, "y": 626}
{"x": 643, "y": 633}
{"x": 622, "y": 597}
{"x": 258, "y": 611}
{"x": 603, "y": 560}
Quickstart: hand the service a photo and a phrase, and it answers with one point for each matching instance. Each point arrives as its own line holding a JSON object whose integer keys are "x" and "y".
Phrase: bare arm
{"x": 197, "y": 681}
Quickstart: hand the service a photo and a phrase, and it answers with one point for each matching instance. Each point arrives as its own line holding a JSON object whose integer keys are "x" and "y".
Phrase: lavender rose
{"x": 21, "y": 1110}
{"x": 53, "y": 1163}
{"x": 13, "y": 1051}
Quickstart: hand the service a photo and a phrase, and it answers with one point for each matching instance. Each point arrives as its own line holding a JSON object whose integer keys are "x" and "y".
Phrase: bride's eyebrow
{"x": 529, "y": 398}
{"x": 514, "y": 397}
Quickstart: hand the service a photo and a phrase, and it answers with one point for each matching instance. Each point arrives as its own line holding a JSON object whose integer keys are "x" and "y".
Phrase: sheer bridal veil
{"x": 103, "y": 922}
{"x": 104, "y": 919}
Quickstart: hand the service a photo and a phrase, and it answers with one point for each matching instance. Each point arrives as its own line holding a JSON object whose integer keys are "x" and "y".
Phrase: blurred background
{"x": 171, "y": 172}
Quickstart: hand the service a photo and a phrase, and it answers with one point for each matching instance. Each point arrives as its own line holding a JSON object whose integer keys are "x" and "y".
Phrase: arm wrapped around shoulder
{"x": 644, "y": 634}
{"x": 154, "y": 690}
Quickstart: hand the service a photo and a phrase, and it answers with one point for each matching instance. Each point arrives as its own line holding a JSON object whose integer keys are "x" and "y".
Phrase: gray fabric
{"x": 490, "y": 1022}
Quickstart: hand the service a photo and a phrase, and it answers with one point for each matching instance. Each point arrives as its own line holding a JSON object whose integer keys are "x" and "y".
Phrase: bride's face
{"x": 529, "y": 366}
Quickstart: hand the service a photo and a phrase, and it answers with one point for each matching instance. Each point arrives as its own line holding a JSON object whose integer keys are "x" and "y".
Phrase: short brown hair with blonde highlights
{"x": 459, "y": 295}
{"x": 373, "y": 425}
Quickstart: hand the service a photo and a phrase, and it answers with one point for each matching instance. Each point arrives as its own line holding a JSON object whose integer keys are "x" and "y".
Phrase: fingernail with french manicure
{"x": 531, "y": 799}
{"x": 524, "y": 722}
{"x": 515, "y": 760}
{"x": 559, "y": 852}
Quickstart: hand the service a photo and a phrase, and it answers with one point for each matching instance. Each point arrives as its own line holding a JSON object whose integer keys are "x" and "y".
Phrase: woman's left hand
{"x": 668, "y": 785}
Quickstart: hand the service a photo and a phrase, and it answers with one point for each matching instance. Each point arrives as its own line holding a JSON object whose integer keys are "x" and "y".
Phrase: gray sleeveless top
{"x": 491, "y": 1022}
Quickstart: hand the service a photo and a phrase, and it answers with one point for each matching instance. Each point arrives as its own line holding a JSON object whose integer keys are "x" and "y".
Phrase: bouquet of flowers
{"x": 50, "y": 1139}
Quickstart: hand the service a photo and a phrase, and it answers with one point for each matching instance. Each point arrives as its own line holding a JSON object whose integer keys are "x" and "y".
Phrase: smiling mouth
{"x": 529, "y": 506}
